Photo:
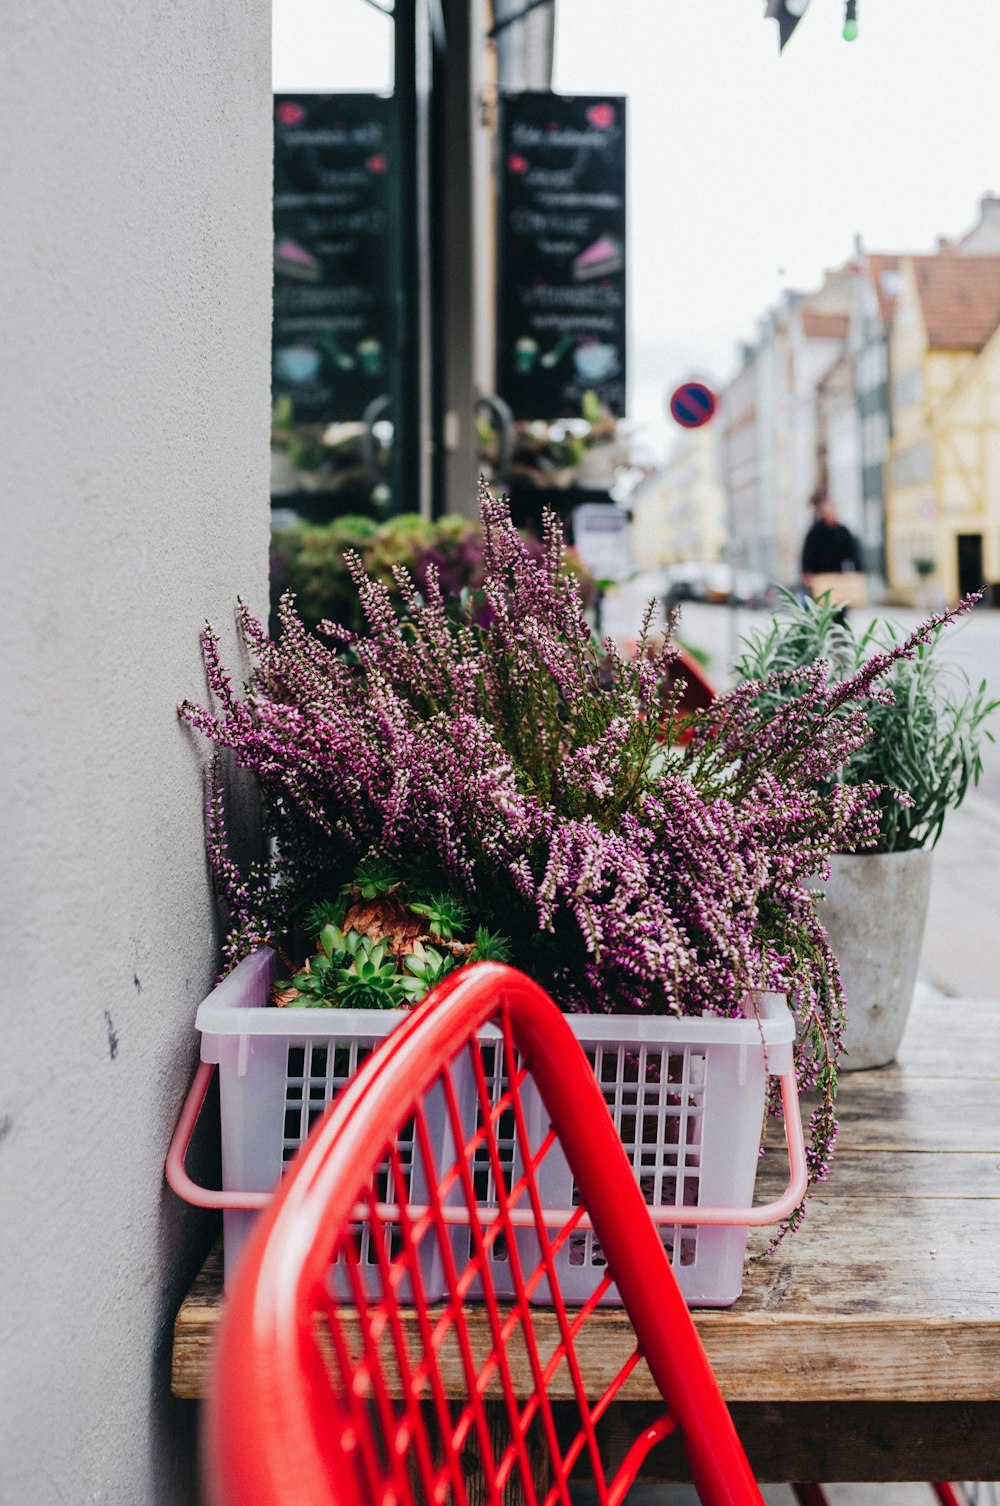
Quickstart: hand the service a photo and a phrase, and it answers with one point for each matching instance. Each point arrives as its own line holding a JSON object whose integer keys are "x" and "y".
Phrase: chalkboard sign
{"x": 333, "y": 337}
{"x": 561, "y": 318}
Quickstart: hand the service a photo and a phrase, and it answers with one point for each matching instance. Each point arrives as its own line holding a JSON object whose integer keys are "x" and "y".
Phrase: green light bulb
{"x": 850, "y": 31}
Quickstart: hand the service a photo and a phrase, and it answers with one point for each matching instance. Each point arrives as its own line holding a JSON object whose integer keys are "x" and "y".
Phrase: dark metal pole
{"x": 412, "y": 92}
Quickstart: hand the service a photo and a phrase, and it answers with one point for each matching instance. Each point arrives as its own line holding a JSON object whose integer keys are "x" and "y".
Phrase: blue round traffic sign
{"x": 693, "y": 404}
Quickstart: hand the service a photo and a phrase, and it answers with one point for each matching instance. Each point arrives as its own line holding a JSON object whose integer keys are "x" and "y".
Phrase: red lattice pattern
{"x": 402, "y": 1376}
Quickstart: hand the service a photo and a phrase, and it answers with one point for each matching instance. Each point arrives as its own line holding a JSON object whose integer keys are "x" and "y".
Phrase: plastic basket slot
{"x": 316, "y": 1070}
{"x": 503, "y": 1132}
{"x": 656, "y": 1098}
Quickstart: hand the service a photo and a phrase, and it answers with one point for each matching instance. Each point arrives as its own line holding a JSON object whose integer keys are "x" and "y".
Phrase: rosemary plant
{"x": 925, "y": 741}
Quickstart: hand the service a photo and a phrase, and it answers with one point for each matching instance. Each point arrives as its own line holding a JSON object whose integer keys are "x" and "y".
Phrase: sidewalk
{"x": 961, "y": 955}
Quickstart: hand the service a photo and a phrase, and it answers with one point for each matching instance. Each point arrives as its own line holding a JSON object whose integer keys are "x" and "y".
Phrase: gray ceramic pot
{"x": 874, "y": 912}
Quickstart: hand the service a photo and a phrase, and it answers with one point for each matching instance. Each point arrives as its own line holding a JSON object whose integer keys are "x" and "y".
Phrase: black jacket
{"x": 830, "y": 548}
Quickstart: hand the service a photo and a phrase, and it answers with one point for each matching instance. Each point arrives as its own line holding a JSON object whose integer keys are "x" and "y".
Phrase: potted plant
{"x": 584, "y": 451}
{"x": 511, "y": 766}
{"x": 310, "y": 560}
{"x": 923, "y": 751}
{"x": 325, "y": 457}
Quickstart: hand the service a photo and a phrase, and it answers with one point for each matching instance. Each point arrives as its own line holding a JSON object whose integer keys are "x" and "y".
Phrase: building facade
{"x": 750, "y": 543}
{"x": 838, "y": 442}
{"x": 967, "y": 446}
{"x": 876, "y": 286}
{"x": 679, "y": 512}
{"x": 776, "y": 435}
{"x": 940, "y": 472}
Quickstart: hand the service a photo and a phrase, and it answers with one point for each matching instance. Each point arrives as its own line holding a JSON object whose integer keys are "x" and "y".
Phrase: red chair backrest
{"x": 319, "y": 1398}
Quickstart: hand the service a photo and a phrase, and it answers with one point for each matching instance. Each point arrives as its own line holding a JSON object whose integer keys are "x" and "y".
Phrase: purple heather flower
{"x": 535, "y": 773}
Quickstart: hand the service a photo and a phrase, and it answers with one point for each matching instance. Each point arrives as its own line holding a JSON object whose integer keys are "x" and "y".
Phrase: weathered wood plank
{"x": 756, "y": 1357}
{"x": 896, "y": 1324}
{"x": 908, "y": 1261}
{"x": 948, "y": 1038}
{"x": 865, "y": 1174}
{"x": 847, "y": 1441}
{"x": 920, "y": 1113}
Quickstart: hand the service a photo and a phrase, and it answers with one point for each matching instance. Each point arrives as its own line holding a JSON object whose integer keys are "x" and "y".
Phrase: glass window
{"x": 908, "y": 388}
{"x": 913, "y": 465}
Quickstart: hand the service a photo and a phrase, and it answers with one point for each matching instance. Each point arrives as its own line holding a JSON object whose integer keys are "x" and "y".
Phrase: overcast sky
{"x": 748, "y": 172}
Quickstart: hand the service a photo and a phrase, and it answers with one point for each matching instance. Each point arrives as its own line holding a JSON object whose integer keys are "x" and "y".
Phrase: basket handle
{"x": 677, "y": 1215}
{"x": 680, "y": 1216}
{"x": 175, "y": 1169}
{"x": 767, "y": 1213}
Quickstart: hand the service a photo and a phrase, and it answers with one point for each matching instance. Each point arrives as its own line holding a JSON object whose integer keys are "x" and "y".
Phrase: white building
{"x": 770, "y": 460}
{"x": 817, "y": 336}
{"x": 838, "y": 426}
{"x": 749, "y": 543}
{"x": 679, "y": 512}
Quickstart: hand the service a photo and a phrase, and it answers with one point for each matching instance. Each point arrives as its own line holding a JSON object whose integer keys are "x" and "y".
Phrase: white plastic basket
{"x": 687, "y": 1097}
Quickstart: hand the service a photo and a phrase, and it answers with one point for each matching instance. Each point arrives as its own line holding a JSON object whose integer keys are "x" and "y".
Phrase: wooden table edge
{"x": 832, "y": 1358}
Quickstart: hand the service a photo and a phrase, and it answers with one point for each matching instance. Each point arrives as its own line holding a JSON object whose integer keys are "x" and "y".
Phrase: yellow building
{"x": 967, "y": 441}
{"x": 943, "y": 470}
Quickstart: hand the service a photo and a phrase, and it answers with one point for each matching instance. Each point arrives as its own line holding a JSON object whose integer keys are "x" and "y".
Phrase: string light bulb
{"x": 850, "y": 31}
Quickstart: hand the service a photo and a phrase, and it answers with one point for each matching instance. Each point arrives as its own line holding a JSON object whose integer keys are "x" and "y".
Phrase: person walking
{"x": 831, "y": 549}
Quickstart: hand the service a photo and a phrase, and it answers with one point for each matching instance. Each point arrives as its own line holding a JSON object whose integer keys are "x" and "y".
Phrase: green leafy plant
{"x": 311, "y": 560}
{"x": 925, "y": 740}
{"x": 445, "y": 916}
{"x": 376, "y": 950}
{"x": 373, "y": 877}
{"x": 424, "y": 970}
{"x": 490, "y": 946}
{"x": 325, "y": 912}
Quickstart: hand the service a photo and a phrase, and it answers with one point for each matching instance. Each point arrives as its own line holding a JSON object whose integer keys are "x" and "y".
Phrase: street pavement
{"x": 961, "y": 955}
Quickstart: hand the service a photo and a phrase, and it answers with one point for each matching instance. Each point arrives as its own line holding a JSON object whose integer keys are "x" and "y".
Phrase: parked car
{"x": 718, "y": 582}
{"x": 685, "y": 582}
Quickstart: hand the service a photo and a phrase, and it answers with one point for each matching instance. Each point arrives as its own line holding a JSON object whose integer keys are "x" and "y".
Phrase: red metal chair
{"x": 326, "y": 1400}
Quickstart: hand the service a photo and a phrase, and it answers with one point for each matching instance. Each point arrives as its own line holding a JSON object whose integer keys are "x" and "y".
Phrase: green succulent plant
{"x": 490, "y": 946}
{"x": 325, "y": 912}
{"x": 425, "y": 967}
{"x": 350, "y": 971}
{"x": 445, "y": 915}
{"x": 371, "y": 878}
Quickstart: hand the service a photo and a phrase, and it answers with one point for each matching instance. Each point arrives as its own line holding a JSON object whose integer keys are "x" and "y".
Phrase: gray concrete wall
{"x": 134, "y": 354}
